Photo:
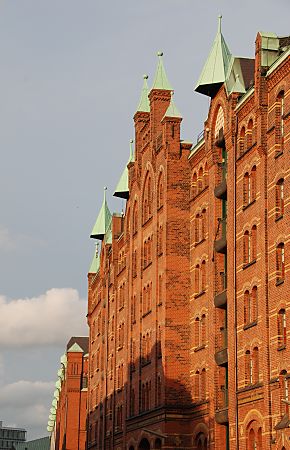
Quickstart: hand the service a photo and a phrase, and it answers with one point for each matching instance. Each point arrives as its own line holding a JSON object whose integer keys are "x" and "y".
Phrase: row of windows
{"x": 246, "y": 138}
{"x": 199, "y": 181}
{"x": 200, "y": 226}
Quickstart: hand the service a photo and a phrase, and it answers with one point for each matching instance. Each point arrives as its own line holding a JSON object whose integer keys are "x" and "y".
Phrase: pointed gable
{"x": 95, "y": 264}
{"x": 103, "y": 221}
{"x": 172, "y": 110}
{"x": 216, "y": 66}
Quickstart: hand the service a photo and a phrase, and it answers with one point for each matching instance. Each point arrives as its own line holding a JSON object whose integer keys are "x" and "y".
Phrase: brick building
{"x": 188, "y": 295}
{"x": 68, "y": 413}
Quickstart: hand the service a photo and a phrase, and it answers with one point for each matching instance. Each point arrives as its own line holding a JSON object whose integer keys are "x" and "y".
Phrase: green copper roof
{"x": 103, "y": 220}
{"x": 216, "y": 66}
{"x": 122, "y": 189}
{"x": 172, "y": 111}
{"x": 53, "y": 411}
{"x": 161, "y": 80}
{"x": 58, "y": 384}
{"x": 75, "y": 348}
{"x": 54, "y": 402}
{"x": 234, "y": 78}
{"x": 144, "y": 105}
{"x": 56, "y": 394}
{"x": 108, "y": 235}
{"x": 95, "y": 265}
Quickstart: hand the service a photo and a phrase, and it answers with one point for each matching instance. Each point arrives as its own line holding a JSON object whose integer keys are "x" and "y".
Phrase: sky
{"x": 70, "y": 80}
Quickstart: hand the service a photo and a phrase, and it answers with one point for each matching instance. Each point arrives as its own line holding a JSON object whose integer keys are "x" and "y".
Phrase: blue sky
{"x": 70, "y": 80}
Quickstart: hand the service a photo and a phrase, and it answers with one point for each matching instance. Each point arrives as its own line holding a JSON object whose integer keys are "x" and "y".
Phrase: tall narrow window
{"x": 247, "y": 247}
{"x": 250, "y": 134}
{"x": 254, "y": 243}
{"x": 282, "y": 330}
{"x": 242, "y": 141}
{"x": 194, "y": 185}
{"x": 197, "y": 278}
{"x": 200, "y": 180}
{"x": 197, "y": 228}
{"x": 280, "y": 263}
{"x": 248, "y": 368}
{"x": 247, "y": 308}
{"x": 196, "y": 386}
{"x": 253, "y": 184}
{"x": 203, "y": 384}
{"x": 197, "y": 332}
{"x": 203, "y": 224}
{"x": 135, "y": 218}
{"x": 246, "y": 189}
{"x": 203, "y": 276}
{"x": 280, "y": 198}
{"x": 255, "y": 377}
{"x": 254, "y": 304}
{"x": 203, "y": 329}
{"x": 279, "y": 122}
{"x": 160, "y": 191}
{"x": 205, "y": 175}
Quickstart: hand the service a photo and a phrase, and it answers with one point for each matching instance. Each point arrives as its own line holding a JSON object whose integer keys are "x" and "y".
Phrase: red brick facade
{"x": 189, "y": 310}
{"x": 69, "y": 429}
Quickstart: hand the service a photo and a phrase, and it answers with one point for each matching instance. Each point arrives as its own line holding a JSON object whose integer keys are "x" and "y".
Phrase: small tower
{"x": 159, "y": 97}
{"x": 215, "y": 69}
{"x": 103, "y": 221}
{"x": 171, "y": 126}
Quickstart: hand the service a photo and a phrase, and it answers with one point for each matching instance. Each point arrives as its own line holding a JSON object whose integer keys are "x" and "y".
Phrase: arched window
{"x": 194, "y": 185}
{"x": 160, "y": 191}
{"x": 255, "y": 365}
{"x": 279, "y": 122}
{"x": 242, "y": 141}
{"x": 254, "y": 304}
{"x": 280, "y": 198}
{"x": 247, "y": 307}
{"x": 282, "y": 328}
{"x": 205, "y": 175}
{"x": 219, "y": 123}
{"x": 254, "y": 243}
{"x": 197, "y": 278}
{"x": 248, "y": 368}
{"x": 246, "y": 189}
{"x": 250, "y": 134}
{"x": 203, "y": 276}
{"x": 159, "y": 342}
{"x": 247, "y": 247}
{"x": 159, "y": 385}
{"x": 197, "y": 228}
{"x": 203, "y": 224}
{"x": 196, "y": 386}
{"x": 253, "y": 184}
{"x": 135, "y": 217}
{"x": 196, "y": 332}
{"x": 203, "y": 329}
{"x": 200, "y": 180}
{"x": 160, "y": 289}
{"x": 203, "y": 384}
{"x": 147, "y": 199}
{"x": 280, "y": 263}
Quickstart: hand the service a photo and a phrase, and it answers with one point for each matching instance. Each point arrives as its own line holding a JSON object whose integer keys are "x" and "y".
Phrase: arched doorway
{"x": 144, "y": 445}
{"x": 201, "y": 441}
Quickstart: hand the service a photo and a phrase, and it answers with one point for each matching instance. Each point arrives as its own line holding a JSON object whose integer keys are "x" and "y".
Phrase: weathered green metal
{"x": 216, "y": 66}
{"x": 95, "y": 264}
{"x": 122, "y": 189}
{"x": 161, "y": 80}
{"x": 144, "y": 105}
{"x": 172, "y": 110}
{"x": 103, "y": 221}
{"x": 75, "y": 348}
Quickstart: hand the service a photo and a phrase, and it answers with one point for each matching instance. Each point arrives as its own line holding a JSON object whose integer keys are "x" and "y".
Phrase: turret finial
{"x": 220, "y": 23}
{"x": 160, "y": 53}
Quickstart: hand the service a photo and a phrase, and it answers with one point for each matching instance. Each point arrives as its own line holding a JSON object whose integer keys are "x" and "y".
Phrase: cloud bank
{"x": 25, "y": 404}
{"x": 50, "y": 319}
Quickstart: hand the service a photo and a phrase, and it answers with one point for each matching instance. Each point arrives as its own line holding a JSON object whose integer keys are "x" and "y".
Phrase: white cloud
{"x": 26, "y": 404}
{"x": 50, "y": 319}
